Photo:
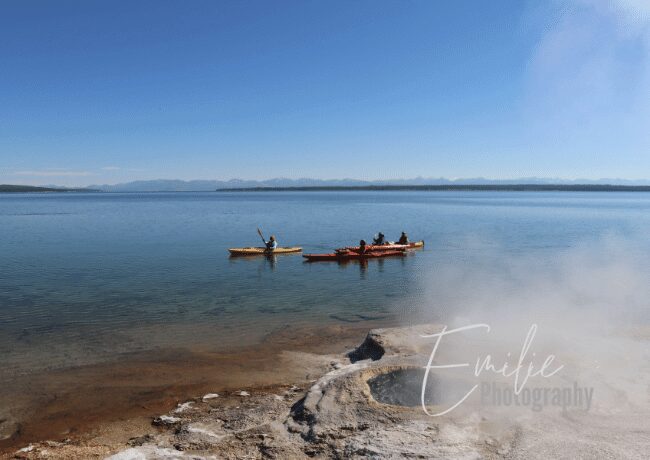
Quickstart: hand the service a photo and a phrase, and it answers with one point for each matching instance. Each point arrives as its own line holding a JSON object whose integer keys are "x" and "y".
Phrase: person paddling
{"x": 271, "y": 244}
{"x": 404, "y": 239}
{"x": 362, "y": 247}
{"x": 380, "y": 239}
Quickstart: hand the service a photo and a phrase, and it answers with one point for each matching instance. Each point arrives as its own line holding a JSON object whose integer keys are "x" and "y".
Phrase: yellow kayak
{"x": 261, "y": 251}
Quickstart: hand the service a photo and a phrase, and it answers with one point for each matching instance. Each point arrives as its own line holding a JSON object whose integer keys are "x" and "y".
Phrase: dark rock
{"x": 140, "y": 440}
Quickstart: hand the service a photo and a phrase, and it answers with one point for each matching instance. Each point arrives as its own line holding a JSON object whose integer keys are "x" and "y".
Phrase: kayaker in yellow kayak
{"x": 404, "y": 239}
{"x": 271, "y": 244}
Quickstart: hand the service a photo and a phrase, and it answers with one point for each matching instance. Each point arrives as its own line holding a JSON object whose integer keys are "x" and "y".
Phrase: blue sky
{"x": 106, "y": 92}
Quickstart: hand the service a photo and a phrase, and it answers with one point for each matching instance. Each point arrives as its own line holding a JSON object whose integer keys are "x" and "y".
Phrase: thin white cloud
{"x": 633, "y": 14}
{"x": 590, "y": 72}
{"x": 111, "y": 168}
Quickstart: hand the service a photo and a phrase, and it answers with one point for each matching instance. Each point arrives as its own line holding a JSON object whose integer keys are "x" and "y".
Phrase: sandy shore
{"x": 110, "y": 401}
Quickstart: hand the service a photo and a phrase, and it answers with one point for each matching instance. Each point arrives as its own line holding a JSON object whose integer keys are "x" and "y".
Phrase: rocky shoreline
{"x": 343, "y": 414}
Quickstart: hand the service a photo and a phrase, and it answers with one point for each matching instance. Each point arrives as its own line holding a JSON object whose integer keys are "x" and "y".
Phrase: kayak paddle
{"x": 259, "y": 232}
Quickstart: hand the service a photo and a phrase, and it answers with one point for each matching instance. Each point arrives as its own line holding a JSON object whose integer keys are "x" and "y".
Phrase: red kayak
{"x": 384, "y": 247}
{"x": 351, "y": 255}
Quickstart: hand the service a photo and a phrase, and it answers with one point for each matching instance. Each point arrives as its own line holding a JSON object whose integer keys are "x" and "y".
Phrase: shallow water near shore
{"x": 92, "y": 279}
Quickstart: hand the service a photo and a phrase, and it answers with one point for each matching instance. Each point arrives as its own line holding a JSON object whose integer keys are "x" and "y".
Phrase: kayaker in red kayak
{"x": 362, "y": 247}
{"x": 380, "y": 239}
{"x": 404, "y": 239}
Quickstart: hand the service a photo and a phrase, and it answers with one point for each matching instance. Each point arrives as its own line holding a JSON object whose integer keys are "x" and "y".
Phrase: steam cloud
{"x": 590, "y": 303}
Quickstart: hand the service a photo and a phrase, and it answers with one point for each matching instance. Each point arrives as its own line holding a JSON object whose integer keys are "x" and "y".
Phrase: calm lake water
{"x": 84, "y": 277}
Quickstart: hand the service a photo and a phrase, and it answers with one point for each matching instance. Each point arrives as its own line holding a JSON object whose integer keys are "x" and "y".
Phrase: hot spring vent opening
{"x": 403, "y": 387}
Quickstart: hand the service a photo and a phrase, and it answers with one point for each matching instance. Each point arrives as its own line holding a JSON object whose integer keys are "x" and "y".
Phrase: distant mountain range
{"x": 166, "y": 185}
